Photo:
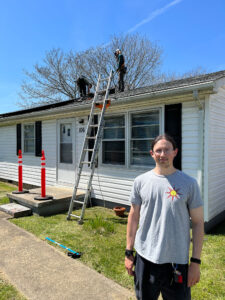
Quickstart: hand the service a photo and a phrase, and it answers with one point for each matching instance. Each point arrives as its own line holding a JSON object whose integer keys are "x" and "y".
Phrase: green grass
{"x": 8, "y": 292}
{"x": 102, "y": 239}
{"x": 4, "y": 189}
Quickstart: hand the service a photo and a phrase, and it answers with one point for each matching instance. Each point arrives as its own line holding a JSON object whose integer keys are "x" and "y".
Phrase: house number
{"x": 81, "y": 129}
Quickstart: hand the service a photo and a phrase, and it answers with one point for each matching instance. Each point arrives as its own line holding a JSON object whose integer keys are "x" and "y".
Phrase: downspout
{"x": 201, "y": 113}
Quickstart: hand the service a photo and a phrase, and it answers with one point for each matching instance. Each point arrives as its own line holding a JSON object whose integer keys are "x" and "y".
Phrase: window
{"x": 113, "y": 143}
{"x": 144, "y": 128}
{"x": 130, "y": 149}
{"x": 28, "y": 138}
{"x": 66, "y": 143}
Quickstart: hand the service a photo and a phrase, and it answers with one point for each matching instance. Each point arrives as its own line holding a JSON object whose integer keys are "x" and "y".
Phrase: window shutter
{"x": 18, "y": 138}
{"x": 173, "y": 128}
{"x": 38, "y": 138}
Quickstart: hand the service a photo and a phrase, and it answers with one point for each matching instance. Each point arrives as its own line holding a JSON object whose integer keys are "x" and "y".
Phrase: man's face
{"x": 163, "y": 153}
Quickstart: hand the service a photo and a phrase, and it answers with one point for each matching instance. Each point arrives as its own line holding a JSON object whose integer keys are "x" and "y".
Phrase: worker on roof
{"x": 84, "y": 86}
{"x": 121, "y": 69}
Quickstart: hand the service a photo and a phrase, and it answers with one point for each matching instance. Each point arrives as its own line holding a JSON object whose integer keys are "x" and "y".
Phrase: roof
{"x": 156, "y": 88}
{"x": 177, "y": 83}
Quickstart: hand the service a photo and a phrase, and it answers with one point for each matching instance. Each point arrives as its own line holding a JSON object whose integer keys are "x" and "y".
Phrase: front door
{"x": 66, "y": 151}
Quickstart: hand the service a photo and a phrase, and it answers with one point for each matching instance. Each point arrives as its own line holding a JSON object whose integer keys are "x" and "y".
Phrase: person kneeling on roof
{"x": 84, "y": 86}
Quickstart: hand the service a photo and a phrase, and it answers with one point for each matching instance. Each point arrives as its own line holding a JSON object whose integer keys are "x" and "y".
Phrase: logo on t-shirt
{"x": 173, "y": 193}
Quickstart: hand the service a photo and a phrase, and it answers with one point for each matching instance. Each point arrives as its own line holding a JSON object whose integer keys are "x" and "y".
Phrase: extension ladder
{"x": 98, "y": 128}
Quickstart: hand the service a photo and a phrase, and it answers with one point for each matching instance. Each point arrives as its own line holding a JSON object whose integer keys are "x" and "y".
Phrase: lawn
{"x": 102, "y": 240}
{"x": 8, "y": 292}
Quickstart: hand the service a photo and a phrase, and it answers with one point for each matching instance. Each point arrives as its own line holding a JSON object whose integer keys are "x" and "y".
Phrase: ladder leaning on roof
{"x": 98, "y": 128}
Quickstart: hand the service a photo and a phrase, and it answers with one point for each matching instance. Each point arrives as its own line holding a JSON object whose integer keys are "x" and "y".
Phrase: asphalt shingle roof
{"x": 143, "y": 90}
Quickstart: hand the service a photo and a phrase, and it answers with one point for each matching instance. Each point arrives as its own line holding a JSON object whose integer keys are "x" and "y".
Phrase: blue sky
{"x": 190, "y": 32}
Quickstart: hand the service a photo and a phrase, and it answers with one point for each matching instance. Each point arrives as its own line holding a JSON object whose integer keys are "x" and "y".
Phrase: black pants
{"x": 82, "y": 87}
{"x": 121, "y": 80}
{"x": 150, "y": 279}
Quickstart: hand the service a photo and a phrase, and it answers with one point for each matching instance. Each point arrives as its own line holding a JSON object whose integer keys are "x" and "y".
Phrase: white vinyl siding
{"x": 8, "y": 157}
{"x": 31, "y": 164}
{"x": 190, "y": 139}
{"x": 216, "y": 157}
{"x": 113, "y": 185}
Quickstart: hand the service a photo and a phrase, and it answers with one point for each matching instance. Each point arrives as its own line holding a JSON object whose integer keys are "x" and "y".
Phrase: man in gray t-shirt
{"x": 162, "y": 202}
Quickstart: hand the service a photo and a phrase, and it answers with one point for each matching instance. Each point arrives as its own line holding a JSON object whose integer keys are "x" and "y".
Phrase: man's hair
{"x": 166, "y": 137}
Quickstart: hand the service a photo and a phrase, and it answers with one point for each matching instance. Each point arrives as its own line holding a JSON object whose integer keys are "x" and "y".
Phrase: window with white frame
{"x": 113, "y": 142}
{"x": 144, "y": 127}
{"x": 28, "y": 138}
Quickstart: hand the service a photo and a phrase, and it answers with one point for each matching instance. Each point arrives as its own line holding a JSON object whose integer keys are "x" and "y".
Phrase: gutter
{"x": 172, "y": 91}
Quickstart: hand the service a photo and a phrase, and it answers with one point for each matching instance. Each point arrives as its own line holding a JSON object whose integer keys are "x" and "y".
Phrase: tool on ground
{"x": 71, "y": 252}
{"x": 87, "y": 150}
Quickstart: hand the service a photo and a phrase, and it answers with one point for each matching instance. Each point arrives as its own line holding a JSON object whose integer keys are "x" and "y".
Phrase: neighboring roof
{"x": 156, "y": 88}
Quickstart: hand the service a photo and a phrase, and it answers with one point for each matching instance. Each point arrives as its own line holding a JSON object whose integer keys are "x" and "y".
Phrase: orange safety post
{"x": 20, "y": 175}
{"x": 20, "y": 172}
{"x": 43, "y": 195}
{"x": 43, "y": 177}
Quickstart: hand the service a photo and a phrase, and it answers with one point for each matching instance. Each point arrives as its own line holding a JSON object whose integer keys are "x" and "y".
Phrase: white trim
{"x": 206, "y": 161}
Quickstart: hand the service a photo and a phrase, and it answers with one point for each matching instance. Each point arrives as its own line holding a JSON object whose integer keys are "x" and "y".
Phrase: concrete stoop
{"x": 59, "y": 203}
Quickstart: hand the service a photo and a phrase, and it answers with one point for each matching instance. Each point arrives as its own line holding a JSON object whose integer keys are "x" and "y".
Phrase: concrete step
{"x": 16, "y": 210}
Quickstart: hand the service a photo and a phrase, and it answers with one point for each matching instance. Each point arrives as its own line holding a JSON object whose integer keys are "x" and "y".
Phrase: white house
{"x": 192, "y": 110}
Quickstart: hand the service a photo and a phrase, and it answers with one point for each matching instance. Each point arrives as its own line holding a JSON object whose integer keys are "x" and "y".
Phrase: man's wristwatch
{"x": 129, "y": 253}
{"x": 195, "y": 260}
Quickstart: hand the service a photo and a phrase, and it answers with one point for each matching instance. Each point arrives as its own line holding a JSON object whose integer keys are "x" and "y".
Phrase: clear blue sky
{"x": 191, "y": 33}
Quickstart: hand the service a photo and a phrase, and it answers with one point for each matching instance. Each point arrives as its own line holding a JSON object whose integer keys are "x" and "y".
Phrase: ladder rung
{"x": 79, "y": 202}
{"x": 91, "y": 150}
{"x": 96, "y": 125}
{"x": 75, "y": 216}
{"x": 91, "y": 137}
{"x": 102, "y": 101}
{"x": 85, "y": 162}
{"x": 83, "y": 189}
{"x": 101, "y": 91}
{"x": 104, "y": 79}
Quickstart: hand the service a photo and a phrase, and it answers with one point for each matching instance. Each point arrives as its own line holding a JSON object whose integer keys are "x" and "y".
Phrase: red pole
{"x": 20, "y": 172}
{"x": 43, "y": 188}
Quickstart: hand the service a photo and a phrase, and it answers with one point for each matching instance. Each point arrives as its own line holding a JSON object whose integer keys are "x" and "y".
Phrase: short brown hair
{"x": 166, "y": 137}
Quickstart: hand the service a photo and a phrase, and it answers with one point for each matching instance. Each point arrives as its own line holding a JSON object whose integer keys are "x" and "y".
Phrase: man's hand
{"x": 193, "y": 274}
{"x": 129, "y": 263}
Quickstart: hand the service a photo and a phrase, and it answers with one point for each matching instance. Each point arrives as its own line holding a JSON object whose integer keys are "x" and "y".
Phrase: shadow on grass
{"x": 120, "y": 220}
{"x": 218, "y": 230}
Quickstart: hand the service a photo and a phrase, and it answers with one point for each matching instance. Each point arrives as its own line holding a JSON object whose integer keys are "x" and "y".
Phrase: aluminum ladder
{"x": 98, "y": 128}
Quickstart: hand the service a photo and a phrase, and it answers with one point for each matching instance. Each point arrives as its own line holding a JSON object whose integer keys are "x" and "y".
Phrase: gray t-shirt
{"x": 163, "y": 235}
